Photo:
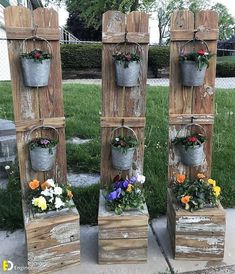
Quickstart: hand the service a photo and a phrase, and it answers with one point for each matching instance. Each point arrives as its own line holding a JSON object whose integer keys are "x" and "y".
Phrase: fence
{"x": 223, "y": 83}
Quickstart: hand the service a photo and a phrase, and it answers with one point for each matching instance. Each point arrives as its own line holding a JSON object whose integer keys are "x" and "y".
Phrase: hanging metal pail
{"x": 35, "y": 74}
{"x": 192, "y": 156}
{"x": 42, "y": 159}
{"x": 127, "y": 77}
{"x": 191, "y": 75}
{"x": 122, "y": 160}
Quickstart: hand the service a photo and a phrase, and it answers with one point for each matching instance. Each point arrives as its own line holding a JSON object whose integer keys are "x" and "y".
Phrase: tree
{"x": 90, "y": 12}
{"x": 226, "y": 21}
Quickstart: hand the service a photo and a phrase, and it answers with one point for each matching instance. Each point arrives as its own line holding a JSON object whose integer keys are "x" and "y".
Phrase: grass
{"x": 227, "y": 59}
{"x": 82, "y": 109}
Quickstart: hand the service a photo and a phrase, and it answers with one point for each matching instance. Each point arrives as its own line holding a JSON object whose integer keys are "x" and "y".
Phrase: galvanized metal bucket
{"x": 127, "y": 77}
{"x": 191, "y": 156}
{"x": 122, "y": 160}
{"x": 35, "y": 74}
{"x": 42, "y": 159}
{"x": 191, "y": 75}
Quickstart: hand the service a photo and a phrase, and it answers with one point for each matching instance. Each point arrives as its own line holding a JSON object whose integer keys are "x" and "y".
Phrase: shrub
{"x": 81, "y": 56}
{"x": 225, "y": 69}
{"x": 159, "y": 57}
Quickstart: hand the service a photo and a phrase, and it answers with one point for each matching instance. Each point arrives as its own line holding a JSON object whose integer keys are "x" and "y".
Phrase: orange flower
{"x": 185, "y": 199}
{"x": 180, "y": 178}
{"x": 201, "y": 176}
{"x": 69, "y": 194}
{"x": 45, "y": 185}
{"x": 34, "y": 184}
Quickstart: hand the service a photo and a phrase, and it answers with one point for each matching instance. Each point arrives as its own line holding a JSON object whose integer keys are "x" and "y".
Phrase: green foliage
{"x": 197, "y": 193}
{"x": 43, "y": 143}
{"x": 37, "y": 55}
{"x": 122, "y": 143}
{"x": 81, "y": 56}
{"x": 225, "y": 69}
{"x": 11, "y": 215}
{"x": 158, "y": 57}
{"x": 191, "y": 140}
{"x": 87, "y": 202}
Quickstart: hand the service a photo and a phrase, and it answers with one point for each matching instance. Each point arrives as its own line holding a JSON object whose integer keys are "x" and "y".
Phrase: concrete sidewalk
{"x": 160, "y": 258}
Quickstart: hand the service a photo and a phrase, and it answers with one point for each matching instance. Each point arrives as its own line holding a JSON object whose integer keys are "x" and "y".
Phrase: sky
{"x": 230, "y": 4}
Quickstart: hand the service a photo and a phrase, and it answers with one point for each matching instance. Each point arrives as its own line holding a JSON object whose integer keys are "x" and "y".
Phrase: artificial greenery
{"x": 200, "y": 57}
{"x": 37, "y": 55}
{"x": 196, "y": 193}
{"x": 126, "y": 194}
{"x": 191, "y": 140}
{"x": 123, "y": 143}
{"x": 43, "y": 143}
{"x": 126, "y": 58}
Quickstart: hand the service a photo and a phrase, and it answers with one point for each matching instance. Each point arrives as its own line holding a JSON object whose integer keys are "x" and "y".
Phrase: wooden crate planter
{"x": 196, "y": 236}
{"x": 122, "y": 238}
{"x": 53, "y": 240}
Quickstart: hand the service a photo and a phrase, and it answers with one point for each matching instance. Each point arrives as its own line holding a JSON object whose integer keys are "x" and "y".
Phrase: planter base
{"x": 53, "y": 240}
{"x": 122, "y": 238}
{"x": 196, "y": 236}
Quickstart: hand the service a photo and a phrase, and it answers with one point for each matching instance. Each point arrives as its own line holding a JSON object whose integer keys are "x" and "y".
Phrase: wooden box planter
{"x": 196, "y": 236}
{"x": 53, "y": 240}
{"x": 122, "y": 238}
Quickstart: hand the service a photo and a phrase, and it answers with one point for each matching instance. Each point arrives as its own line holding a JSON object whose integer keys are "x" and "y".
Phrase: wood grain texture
{"x": 118, "y": 102}
{"x": 199, "y": 235}
{"x": 32, "y": 105}
{"x": 188, "y": 102}
{"x": 122, "y": 238}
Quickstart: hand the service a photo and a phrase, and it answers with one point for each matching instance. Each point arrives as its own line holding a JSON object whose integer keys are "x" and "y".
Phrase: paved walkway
{"x": 223, "y": 83}
{"x": 160, "y": 259}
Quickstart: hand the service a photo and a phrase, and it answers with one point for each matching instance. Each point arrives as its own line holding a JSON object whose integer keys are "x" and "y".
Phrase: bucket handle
{"x": 35, "y": 37}
{"x": 126, "y": 127}
{"x": 192, "y": 124}
{"x": 194, "y": 40}
{"x": 43, "y": 127}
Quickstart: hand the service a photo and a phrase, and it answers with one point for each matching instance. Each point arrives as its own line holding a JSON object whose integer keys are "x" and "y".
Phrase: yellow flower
{"x": 129, "y": 188}
{"x": 42, "y": 203}
{"x": 216, "y": 190}
{"x": 180, "y": 178}
{"x": 35, "y": 201}
{"x": 212, "y": 182}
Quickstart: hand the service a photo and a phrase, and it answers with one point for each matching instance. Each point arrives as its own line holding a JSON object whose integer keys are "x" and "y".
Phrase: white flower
{"x": 117, "y": 139}
{"x": 206, "y": 53}
{"x": 7, "y": 167}
{"x": 58, "y": 190}
{"x": 137, "y": 190}
{"x": 47, "y": 192}
{"x": 58, "y": 203}
{"x": 140, "y": 178}
{"x": 51, "y": 182}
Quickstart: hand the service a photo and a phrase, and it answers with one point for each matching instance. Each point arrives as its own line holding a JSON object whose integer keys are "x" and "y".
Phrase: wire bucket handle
{"x": 43, "y": 127}
{"x": 126, "y": 127}
{"x": 194, "y": 40}
{"x": 35, "y": 37}
{"x": 190, "y": 125}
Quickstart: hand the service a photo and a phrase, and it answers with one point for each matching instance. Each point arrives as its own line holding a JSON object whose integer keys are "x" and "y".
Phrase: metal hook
{"x": 193, "y": 118}
{"x": 35, "y": 29}
{"x": 125, "y": 37}
{"x": 122, "y": 122}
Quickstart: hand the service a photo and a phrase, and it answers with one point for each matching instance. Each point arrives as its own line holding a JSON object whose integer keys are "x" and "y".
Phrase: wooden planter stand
{"x": 53, "y": 240}
{"x": 122, "y": 238}
{"x": 196, "y": 236}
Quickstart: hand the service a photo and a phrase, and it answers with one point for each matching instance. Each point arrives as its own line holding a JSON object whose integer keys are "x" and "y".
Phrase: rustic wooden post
{"x": 120, "y": 236}
{"x": 187, "y": 105}
{"x": 34, "y": 107}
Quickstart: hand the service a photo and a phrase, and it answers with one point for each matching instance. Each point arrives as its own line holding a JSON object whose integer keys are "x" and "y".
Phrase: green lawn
{"x": 227, "y": 59}
{"x": 82, "y": 109}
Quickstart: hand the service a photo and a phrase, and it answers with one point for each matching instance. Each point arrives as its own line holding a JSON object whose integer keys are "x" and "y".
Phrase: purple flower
{"x": 133, "y": 180}
{"x": 114, "y": 194}
{"x": 125, "y": 184}
{"x": 44, "y": 142}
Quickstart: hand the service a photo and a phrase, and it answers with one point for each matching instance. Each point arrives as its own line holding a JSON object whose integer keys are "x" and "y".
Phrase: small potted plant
{"x": 42, "y": 153}
{"x": 193, "y": 66}
{"x": 197, "y": 193}
{"x": 48, "y": 196}
{"x": 36, "y": 67}
{"x": 127, "y": 68}
{"x": 123, "y": 149}
{"x": 126, "y": 194}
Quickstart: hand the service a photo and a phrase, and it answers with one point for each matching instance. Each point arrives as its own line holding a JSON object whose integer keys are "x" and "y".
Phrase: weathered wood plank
{"x": 119, "y": 121}
{"x": 182, "y": 119}
{"x": 185, "y": 35}
{"x": 132, "y": 37}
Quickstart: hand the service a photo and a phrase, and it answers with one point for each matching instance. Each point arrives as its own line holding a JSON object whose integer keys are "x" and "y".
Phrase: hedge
{"x": 86, "y": 56}
{"x": 225, "y": 69}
